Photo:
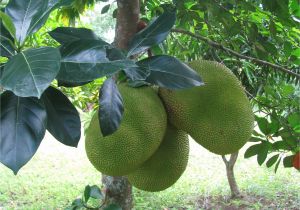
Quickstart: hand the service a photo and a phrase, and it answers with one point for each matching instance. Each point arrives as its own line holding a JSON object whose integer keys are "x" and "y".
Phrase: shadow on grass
{"x": 58, "y": 174}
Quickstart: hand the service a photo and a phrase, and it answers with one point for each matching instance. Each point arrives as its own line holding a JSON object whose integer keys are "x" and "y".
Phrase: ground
{"x": 58, "y": 174}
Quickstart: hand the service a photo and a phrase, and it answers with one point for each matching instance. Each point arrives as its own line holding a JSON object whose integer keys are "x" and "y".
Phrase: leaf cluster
{"x": 278, "y": 120}
{"x": 30, "y": 105}
{"x": 265, "y": 30}
{"x": 92, "y": 198}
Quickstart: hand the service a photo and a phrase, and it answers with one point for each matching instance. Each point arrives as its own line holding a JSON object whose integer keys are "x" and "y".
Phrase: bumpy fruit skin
{"x": 296, "y": 161}
{"x": 166, "y": 165}
{"x": 217, "y": 115}
{"x": 139, "y": 135}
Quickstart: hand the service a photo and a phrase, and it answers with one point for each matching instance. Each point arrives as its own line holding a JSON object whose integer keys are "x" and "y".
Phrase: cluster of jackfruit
{"x": 151, "y": 146}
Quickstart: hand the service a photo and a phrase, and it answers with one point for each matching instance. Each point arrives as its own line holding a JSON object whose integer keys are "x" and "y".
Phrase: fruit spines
{"x": 166, "y": 165}
{"x": 139, "y": 135}
{"x": 217, "y": 115}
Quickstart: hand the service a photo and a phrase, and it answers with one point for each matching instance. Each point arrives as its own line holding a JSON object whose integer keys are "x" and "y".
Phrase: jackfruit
{"x": 166, "y": 165}
{"x": 139, "y": 135}
{"x": 217, "y": 115}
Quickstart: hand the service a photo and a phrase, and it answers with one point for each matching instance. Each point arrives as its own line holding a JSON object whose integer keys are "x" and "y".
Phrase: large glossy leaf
{"x": 263, "y": 152}
{"x": 137, "y": 73}
{"x": 64, "y": 35}
{"x": 288, "y": 161}
{"x": 92, "y": 192}
{"x": 63, "y": 119}
{"x": 153, "y": 34}
{"x": 253, "y": 150}
{"x": 86, "y": 60}
{"x": 29, "y": 73}
{"x": 6, "y": 42}
{"x": 8, "y": 24}
{"x": 267, "y": 127}
{"x": 111, "y": 107}
{"x": 169, "y": 72}
{"x": 22, "y": 128}
{"x": 29, "y": 16}
{"x": 272, "y": 160}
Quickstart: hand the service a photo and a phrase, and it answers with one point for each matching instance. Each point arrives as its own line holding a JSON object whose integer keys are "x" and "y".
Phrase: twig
{"x": 234, "y": 53}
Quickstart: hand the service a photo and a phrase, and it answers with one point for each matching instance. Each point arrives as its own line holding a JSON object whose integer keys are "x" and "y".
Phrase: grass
{"x": 58, "y": 174}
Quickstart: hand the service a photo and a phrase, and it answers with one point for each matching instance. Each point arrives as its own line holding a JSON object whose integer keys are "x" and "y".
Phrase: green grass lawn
{"x": 58, "y": 174}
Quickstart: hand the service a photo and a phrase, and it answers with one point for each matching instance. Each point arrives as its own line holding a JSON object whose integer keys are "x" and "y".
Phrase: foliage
{"x": 260, "y": 29}
{"x": 81, "y": 58}
{"x": 278, "y": 120}
{"x": 91, "y": 197}
{"x": 265, "y": 30}
{"x": 28, "y": 74}
{"x": 250, "y": 28}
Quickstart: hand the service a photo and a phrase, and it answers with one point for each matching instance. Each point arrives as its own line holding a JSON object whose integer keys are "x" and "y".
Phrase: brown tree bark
{"x": 235, "y": 192}
{"x": 118, "y": 189}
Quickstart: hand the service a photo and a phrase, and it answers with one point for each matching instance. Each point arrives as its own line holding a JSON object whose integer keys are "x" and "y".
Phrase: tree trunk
{"x": 235, "y": 192}
{"x": 118, "y": 189}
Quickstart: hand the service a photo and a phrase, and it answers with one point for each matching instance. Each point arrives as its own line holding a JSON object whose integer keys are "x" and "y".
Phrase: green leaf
{"x": 252, "y": 150}
{"x": 6, "y": 43}
{"x": 8, "y": 24}
{"x": 111, "y": 107}
{"x": 86, "y": 193}
{"x": 272, "y": 28}
{"x": 263, "y": 152}
{"x": 86, "y": 60}
{"x": 137, "y": 74}
{"x": 288, "y": 161}
{"x": 92, "y": 192}
{"x": 287, "y": 90}
{"x": 267, "y": 127}
{"x": 277, "y": 164}
{"x": 294, "y": 119}
{"x": 255, "y": 133}
{"x": 96, "y": 192}
{"x": 29, "y": 16}
{"x": 295, "y": 6}
{"x": 29, "y": 73}
{"x": 23, "y": 125}
{"x": 105, "y": 9}
{"x": 115, "y": 54}
{"x": 64, "y": 35}
{"x": 281, "y": 145}
{"x": 296, "y": 52}
{"x": 76, "y": 204}
{"x": 287, "y": 48}
{"x": 153, "y": 34}
{"x": 262, "y": 124}
{"x": 272, "y": 160}
{"x": 169, "y": 72}
{"x": 63, "y": 118}
{"x": 255, "y": 139}
{"x": 289, "y": 137}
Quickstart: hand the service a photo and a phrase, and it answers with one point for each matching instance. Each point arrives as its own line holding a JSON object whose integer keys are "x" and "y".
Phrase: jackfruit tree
{"x": 258, "y": 41}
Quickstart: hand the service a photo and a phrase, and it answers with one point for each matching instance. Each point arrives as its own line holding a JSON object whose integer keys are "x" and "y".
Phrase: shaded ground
{"x": 58, "y": 174}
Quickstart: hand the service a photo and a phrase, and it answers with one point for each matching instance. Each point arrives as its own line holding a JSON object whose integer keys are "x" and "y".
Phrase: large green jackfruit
{"x": 166, "y": 165}
{"x": 217, "y": 115}
{"x": 139, "y": 135}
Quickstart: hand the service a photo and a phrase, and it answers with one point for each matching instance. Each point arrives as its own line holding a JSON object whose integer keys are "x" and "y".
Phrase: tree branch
{"x": 234, "y": 53}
